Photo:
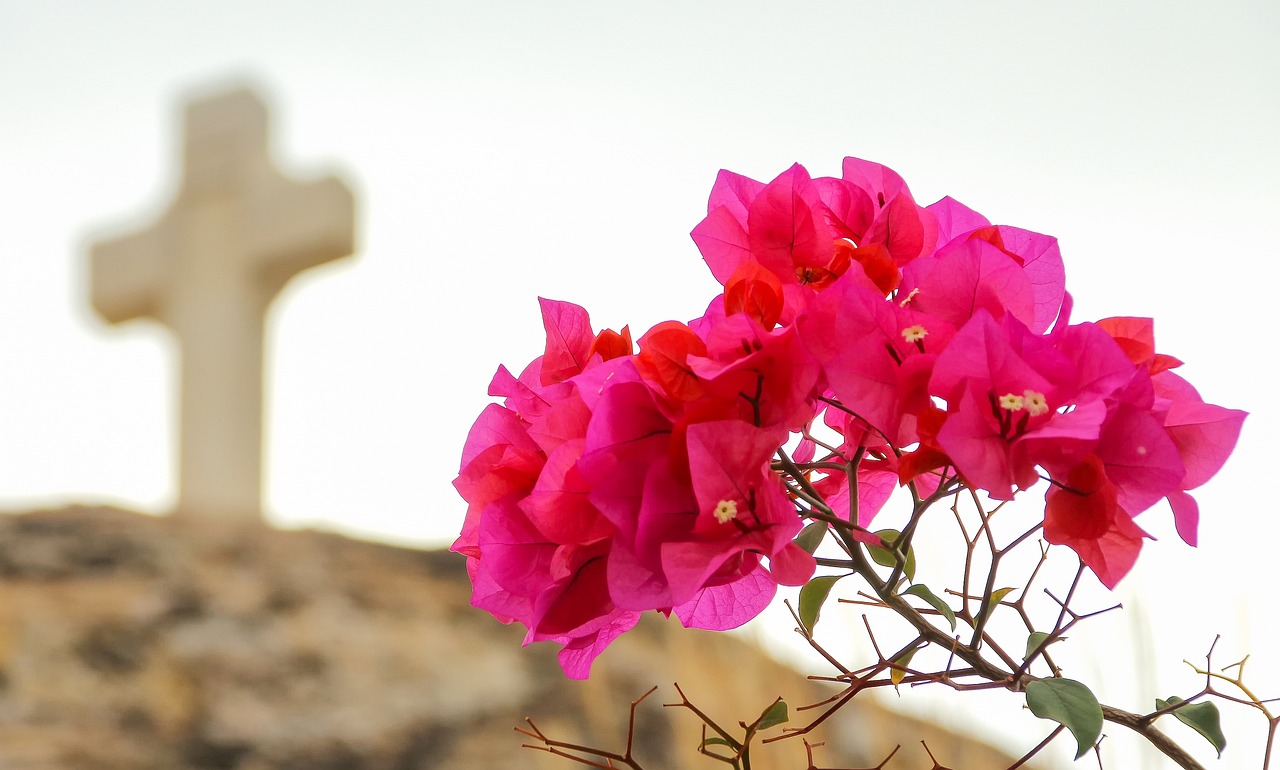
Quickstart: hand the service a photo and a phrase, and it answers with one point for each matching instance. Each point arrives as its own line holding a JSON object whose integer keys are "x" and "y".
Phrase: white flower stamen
{"x": 726, "y": 510}
{"x": 1035, "y": 402}
{"x": 1012, "y": 401}
{"x": 914, "y": 333}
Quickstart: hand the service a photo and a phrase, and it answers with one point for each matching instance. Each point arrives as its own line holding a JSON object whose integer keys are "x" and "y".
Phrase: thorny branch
{"x": 562, "y": 748}
{"x": 978, "y": 663}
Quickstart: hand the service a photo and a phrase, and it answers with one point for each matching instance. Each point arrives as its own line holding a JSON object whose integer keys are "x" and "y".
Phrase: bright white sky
{"x": 503, "y": 150}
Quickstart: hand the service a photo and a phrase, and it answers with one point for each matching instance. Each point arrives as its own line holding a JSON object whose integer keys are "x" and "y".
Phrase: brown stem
{"x": 994, "y": 673}
{"x": 1156, "y": 738}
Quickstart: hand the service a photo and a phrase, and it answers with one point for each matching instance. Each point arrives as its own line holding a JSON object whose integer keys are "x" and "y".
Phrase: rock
{"x": 129, "y": 641}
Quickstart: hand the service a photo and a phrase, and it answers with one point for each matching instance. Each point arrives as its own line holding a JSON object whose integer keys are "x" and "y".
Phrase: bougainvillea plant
{"x": 862, "y": 343}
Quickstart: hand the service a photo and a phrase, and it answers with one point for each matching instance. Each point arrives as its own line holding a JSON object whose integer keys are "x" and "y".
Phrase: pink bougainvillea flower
{"x": 903, "y": 228}
{"x": 848, "y": 208}
{"x": 571, "y": 345}
{"x": 767, "y": 378}
{"x": 1007, "y": 391}
{"x": 628, "y": 433}
{"x": 787, "y": 231}
{"x": 611, "y": 481}
{"x": 781, "y": 225}
{"x": 499, "y": 460}
{"x": 1204, "y": 435}
{"x": 569, "y": 338}
{"x": 876, "y": 355}
{"x": 631, "y": 465}
{"x": 808, "y": 232}
{"x": 968, "y": 276}
{"x": 955, "y": 219}
{"x": 563, "y": 419}
{"x": 581, "y": 650}
{"x": 558, "y": 507}
{"x": 1140, "y": 458}
{"x": 740, "y": 501}
{"x": 672, "y": 541}
{"x": 1100, "y": 368}
{"x": 722, "y": 236}
{"x": 877, "y": 472}
{"x": 1038, "y": 255}
{"x": 1040, "y": 259}
{"x": 722, "y": 607}
{"x": 537, "y": 549}
{"x": 558, "y": 592}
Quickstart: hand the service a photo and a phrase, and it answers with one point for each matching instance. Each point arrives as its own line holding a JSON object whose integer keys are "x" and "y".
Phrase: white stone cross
{"x": 208, "y": 269}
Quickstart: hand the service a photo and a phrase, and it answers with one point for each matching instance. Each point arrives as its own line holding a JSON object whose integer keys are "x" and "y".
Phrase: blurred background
{"x": 499, "y": 151}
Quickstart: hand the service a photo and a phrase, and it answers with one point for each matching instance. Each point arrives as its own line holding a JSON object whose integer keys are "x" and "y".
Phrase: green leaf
{"x": 811, "y": 536}
{"x": 812, "y": 596}
{"x": 717, "y": 742}
{"x": 1201, "y": 717}
{"x": 774, "y": 715}
{"x": 997, "y": 596}
{"x": 929, "y": 596}
{"x": 896, "y": 675}
{"x": 1035, "y": 640}
{"x": 1070, "y": 704}
{"x": 885, "y": 558}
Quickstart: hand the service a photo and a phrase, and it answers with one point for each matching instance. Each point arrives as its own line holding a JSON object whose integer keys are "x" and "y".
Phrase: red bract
{"x": 664, "y": 359}
{"x": 1083, "y": 514}
{"x": 1137, "y": 339}
{"x": 754, "y": 292}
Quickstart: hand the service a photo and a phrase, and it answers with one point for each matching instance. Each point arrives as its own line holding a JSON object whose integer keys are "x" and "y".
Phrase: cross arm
{"x": 126, "y": 275}
{"x": 304, "y": 225}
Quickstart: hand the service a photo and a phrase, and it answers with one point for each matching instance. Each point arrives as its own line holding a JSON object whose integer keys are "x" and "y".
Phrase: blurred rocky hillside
{"x": 140, "y": 643}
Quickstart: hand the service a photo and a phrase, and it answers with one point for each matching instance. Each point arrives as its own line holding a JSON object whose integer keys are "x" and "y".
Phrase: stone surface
{"x": 129, "y": 641}
{"x": 208, "y": 269}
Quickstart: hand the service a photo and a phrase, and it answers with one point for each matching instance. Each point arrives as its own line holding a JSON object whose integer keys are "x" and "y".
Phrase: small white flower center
{"x": 726, "y": 510}
{"x": 1012, "y": 401}
{"x": 914, "y": 333}
{"x": 1035, "y": 402}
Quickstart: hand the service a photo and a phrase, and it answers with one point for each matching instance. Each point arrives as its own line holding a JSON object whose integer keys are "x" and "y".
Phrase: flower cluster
{"x": 939, "y": 349}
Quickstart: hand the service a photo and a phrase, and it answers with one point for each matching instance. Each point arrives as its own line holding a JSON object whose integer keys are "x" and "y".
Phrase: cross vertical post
{"x": 208, "y": 269}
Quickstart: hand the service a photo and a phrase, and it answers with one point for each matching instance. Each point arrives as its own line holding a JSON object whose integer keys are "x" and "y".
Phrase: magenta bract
{"x": 935, "y": 347}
